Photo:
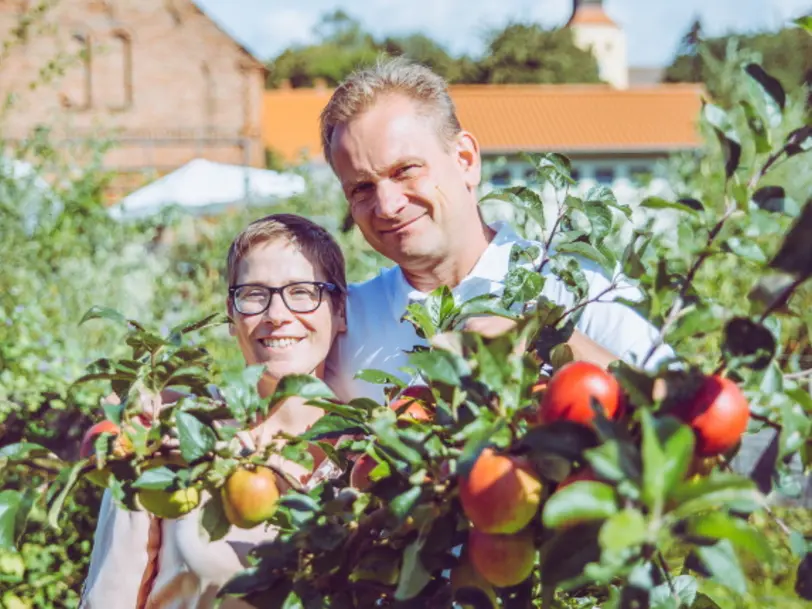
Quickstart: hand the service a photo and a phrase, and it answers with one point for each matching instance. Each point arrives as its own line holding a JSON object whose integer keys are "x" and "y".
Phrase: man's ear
{"x": 469, "y": 158}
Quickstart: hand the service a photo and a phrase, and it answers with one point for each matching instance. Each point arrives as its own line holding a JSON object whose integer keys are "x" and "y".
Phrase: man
{"x": 410, "y": 174}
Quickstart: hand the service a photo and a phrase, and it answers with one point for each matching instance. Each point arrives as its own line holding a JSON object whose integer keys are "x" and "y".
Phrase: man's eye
{"x": 406, "y": 170}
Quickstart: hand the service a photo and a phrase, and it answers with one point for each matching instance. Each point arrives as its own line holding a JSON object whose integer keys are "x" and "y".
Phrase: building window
{"x": 84, "y": 52}
{"x": 247, "y": 105}
{"x": 640, "y": 175}
{"x": 209, "y": 96}
{"x": 121, "y": 54}
{"x": 531, "y": 176}
{"x": 575, "y": 173}
{"x": 605, "y": 175}
{"x": 501, "y": 178}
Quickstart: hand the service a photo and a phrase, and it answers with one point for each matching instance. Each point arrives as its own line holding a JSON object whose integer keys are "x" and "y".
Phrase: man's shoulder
{"x": 375, "y": 286}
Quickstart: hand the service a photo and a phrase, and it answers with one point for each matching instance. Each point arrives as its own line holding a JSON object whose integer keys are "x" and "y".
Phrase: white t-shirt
{"x": 376, "y": 338}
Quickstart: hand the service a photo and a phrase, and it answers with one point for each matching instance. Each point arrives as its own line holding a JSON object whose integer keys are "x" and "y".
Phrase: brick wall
{"x": 157, "y": 75}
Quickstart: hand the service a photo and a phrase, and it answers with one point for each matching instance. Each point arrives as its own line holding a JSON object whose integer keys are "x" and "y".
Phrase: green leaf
{"x": 301, "y": 385}
{"x": 771, "y": 93}
{"x": 745, "y": 249}
{"x": 701, "y": 319}
{"x": 569, "y": 270}
{"x": 554, "y": 168}
{"x": 799, "y": 141}
{"x": 521, "y": 285}
{"x": 213, "y": 518}
{"x": 67, "y": 479}
{"x": 109, "y": 314}
{"x": 658, "y": 203}
{"x": 600, "y": 218}
{"x": 10, "y": 502}
{"x": 721, "y": 562}
{"x": 441, "y": 307}
{"x": 667, "y": 449}
{"x": 742, "y": 534}
{"x": 601, "y": 194}
{"x": 580, "y": 501}
{"x": 803, "y": 578}
{"x": 749, "y": 343}
{"x": 158, "y": 479}
{"x": 622, "y": 530}
{"x": 385, "y": 430}
{"x": 685, "y": 587}
{"x": 804, "y": 22}
{"x": 793, "y": 256}
{"x": 215, "y": 319}
{"x": 379, "y": 377}
{"x": 716, "y": 492}
{"x": 486, "y": 305}
{"x": 523, "y": 198}
{"x": 775, "y": 199}
{"x": 143, "y": 342}
{"x": 403, "y": 504}
{"x": 21, "y": 451}
{"x": 563, "y": 438}
{"x": 413, "y": 575}
{"x": 614, "y": 460}
{"x": 331, "y": 426}
{"x": 761, "y": 134}
{"x": 563, "y": 558}
{"x": 588, "y": 251}
{"x": 196, "y": 438}
{"x": 728, "y": 139}
{"x": 417, "y": 315}
{"x": 796, "y": 428}
{"x": 441, "y": 366}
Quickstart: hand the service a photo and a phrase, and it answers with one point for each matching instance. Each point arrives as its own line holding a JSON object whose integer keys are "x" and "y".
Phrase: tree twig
{"x": 581, "y": 305}
{"x": 679, "y": 301}
{"x": 668, "y": 578}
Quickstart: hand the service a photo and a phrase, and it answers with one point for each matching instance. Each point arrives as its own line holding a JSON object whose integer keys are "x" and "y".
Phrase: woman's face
{"x": 286, "y": 342}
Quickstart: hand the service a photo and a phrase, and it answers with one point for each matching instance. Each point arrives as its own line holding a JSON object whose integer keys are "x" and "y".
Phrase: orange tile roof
{"x": 590, "y": 15}
{"x": 508, "y": 118}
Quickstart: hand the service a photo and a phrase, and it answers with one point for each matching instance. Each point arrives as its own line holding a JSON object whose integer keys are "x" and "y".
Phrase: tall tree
{"x": 341, "y": 46}
{"x": 528, "y": 53}
{"x": 786, "y": 55}
{"x": 423, "y": 49}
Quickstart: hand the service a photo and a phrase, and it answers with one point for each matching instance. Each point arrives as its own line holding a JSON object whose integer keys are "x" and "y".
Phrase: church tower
{"x": 593, "y": 30}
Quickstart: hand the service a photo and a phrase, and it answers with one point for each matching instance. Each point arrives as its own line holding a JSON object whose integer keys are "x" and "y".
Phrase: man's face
{"x": 285, "y": 342}
{"x": 408, "y": 192}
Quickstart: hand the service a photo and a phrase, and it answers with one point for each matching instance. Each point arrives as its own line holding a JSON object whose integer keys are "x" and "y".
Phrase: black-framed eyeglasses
{"x": 299, "y": 297}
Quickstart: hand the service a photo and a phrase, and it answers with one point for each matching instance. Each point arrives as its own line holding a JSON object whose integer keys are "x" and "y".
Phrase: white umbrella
{"x": 203, "y": 186}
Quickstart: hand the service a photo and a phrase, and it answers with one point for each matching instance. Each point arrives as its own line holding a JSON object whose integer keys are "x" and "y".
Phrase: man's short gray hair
{"x": 361, "y": 89}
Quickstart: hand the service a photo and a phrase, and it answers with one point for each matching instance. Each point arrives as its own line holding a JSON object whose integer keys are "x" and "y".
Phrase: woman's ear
{"x": 342, "y": 320}
{"x": 230, "y": 312}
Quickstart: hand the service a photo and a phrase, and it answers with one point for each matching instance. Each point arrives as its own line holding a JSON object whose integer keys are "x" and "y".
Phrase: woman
{"x": 287, "y": 290}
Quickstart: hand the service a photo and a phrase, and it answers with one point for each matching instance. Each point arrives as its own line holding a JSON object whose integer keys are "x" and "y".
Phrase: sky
{"x": 653, "y": 27}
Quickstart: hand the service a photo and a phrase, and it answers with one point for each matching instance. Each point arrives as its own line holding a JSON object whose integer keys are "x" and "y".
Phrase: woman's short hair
{"x": 313, "y": 239}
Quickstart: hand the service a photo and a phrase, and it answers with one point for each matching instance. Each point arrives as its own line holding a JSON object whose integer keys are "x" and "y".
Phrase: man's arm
{"x": 583, "y": 347}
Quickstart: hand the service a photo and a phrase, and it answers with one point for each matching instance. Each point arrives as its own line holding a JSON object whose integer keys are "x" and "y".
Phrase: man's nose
{"x": 391, "y": 200}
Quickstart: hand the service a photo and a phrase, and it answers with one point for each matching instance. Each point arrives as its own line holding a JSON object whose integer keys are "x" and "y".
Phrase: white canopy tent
{"x": 205, "y": 187}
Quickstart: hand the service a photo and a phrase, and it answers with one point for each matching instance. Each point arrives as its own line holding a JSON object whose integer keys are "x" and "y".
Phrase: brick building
{"x": 158, "y": 76}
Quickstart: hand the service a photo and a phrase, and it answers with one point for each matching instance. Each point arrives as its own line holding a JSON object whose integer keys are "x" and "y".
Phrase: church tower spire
{"x": 594, "y": 30}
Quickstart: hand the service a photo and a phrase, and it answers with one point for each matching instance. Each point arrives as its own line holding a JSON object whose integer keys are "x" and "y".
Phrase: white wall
{"x": 608, "y": 45}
